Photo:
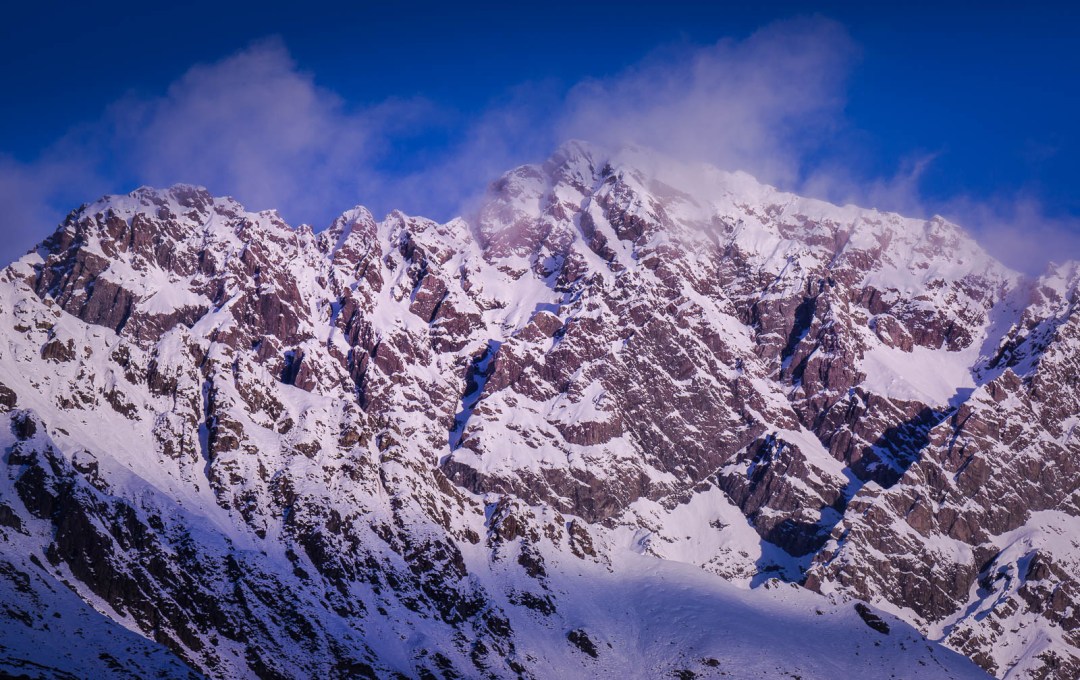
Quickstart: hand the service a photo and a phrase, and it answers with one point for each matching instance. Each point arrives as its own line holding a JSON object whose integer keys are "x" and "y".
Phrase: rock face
{"x": 467, "y": 450}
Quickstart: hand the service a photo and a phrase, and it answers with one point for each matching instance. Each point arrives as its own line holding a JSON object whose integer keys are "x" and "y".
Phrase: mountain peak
{"x": 399, "y": 446}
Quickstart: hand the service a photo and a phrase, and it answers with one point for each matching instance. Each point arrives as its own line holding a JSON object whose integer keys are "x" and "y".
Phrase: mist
{"x": 256, "y": 126}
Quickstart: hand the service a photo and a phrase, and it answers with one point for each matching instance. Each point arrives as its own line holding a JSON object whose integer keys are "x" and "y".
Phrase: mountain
{"x": 639, "y": 418}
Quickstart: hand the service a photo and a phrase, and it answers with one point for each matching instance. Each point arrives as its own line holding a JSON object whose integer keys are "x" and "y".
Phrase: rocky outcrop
{"x": 399, "y": 446}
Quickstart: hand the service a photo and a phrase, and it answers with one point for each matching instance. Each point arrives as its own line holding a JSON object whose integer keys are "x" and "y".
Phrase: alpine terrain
{"x": 638, "y": 418}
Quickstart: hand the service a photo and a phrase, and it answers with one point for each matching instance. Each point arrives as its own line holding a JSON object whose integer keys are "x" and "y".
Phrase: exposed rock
{"x": 389, "y": 448}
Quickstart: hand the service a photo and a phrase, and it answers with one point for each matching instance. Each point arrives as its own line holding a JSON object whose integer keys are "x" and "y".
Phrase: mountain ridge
{"x": 444, "y": 422}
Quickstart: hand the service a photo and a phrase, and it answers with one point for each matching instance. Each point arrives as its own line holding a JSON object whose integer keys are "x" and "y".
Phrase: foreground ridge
{"x": 637, "y": 417}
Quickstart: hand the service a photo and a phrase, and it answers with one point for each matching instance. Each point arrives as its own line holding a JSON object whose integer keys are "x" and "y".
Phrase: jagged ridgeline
{"x": 637, "y": 419}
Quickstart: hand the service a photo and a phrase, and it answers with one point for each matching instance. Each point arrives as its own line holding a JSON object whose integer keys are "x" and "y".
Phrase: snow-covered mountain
{"x": 640, "y": 419}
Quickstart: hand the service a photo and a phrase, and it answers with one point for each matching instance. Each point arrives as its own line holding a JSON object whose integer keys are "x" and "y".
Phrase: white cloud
{"x": 1017, "y": 230}
{"x": 1014, "y": 228}
{"x": 759, "y": 105}
{"x": 255, "y": 126}
{"x": 251, "y": 125}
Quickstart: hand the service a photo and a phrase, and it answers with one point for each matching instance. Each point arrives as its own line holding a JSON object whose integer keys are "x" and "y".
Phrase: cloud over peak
{"x": 760, "y": 105}
{"x": 256, "y": 126}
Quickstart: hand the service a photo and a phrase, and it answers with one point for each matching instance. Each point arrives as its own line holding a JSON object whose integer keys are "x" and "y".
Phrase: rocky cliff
{"x": 637, "y": 417}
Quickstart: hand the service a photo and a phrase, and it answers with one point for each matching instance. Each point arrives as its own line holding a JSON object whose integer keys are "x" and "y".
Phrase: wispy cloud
{"x": 256, "y": 126}
{"x": 1014, "y": 228}
{"x": 762, "y": 105}
{"x": 1017, "y": 230}
{"x": 252, "y": 125}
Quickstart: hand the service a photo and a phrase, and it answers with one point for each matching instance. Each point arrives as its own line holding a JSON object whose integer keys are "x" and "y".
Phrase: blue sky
{"x": 312, "y": 108}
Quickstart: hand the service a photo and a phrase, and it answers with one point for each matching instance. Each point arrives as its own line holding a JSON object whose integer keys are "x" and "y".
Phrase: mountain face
{"x": 640, "y": 418}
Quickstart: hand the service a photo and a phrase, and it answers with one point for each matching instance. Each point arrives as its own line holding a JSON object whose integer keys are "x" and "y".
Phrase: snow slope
{"x": 608, "y": 427}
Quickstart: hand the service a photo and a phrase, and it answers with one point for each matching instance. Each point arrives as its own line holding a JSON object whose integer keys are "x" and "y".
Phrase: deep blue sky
{"x": 991, "y": 94}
